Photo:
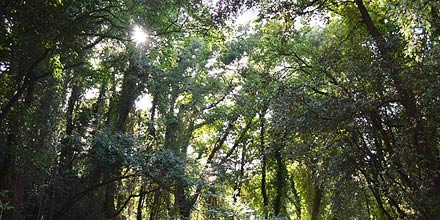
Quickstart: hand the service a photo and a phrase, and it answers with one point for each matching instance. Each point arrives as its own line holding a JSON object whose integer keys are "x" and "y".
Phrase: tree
{"x": 314, "y": 110}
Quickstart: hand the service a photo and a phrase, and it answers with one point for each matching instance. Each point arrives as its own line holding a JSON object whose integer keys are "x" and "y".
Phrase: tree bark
{"x": 239, "y": 181}
{"x": 67, "y": 150}
{"x": 155, "y": 206}
{"x": 280, "y": 183}
{"x": 126, "y": 100}
{"x": 263, "y": 165}
{"x": 296, "y": 198}
{"x": 183, "y": 202}
{"x": 317, "y": 198}
{"x": 140, "y": 204}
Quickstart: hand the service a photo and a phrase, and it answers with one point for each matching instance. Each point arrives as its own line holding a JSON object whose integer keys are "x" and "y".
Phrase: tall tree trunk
{"x": 280, "y": 183}
{"x": 109, "y": 200}
{"x": 126, "y": 100}
{"x": 172, "y": 132}
{"x": 296, "y": 198}
{"x": 67, "y": 150}
{"x": 151, "y": 122}
{"x": 73, "y": 99}
{"x": 113, "y": 98}
{"x": 155, "y": 206}
{"x": 263, "y": 165}
{"x": 140, "y": 204}
{"x": 98, "y": 106}
{"x": 183, "y": 203}
{"x": 128, "y": 95}
{"x": 239, "y": 181}
{"x": 318, "y": 192}
{"x": 16, "y": 184}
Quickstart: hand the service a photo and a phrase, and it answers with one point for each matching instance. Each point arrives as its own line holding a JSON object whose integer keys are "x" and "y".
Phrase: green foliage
{"x": 4, "y": 205}
{"x": 316, "y": 110}
{"x": 110, "y": 148}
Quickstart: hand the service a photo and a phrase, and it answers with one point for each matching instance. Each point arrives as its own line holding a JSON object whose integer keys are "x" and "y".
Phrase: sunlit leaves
{"x": 56, "y": 66}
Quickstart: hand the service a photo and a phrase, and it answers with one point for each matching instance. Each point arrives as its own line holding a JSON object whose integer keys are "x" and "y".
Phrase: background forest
{"x": 174, "y": 109}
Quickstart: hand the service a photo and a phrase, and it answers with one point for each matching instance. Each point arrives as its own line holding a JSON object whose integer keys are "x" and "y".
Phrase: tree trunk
{"x": 155, "y": 206}
{"x": 151, "y": 122}
{"x": 109, "y": 200}
{"x": 67, "y": 150}
{"x": 263, "y": 166}
{"x": 126, "y": 100}
{"x": 98, "y": 106}
{"x": 125, "y": 103}
{"x": 296, "y": 198}
{"x": 317, "y": 198}
{"x": 140, "y": 204}
{"x": 183, "y": 203}
{"x": 239, "y": 181}
{"x": 280, "y": 183}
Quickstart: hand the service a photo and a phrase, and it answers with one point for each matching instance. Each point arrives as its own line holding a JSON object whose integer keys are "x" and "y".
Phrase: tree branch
{"x": 67, "y": 205}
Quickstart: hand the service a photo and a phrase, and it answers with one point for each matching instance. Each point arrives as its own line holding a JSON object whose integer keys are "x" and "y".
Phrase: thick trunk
{"x": 126, "y": 100}
{"x": 117, "y": 118}
{"x": 151, "y": 129}
{"x": 280, "y": 183}
{"x": 183, "y": 203}
{"x": 98, "y": 106}
{"x": 175, "y": 141}
{"x": 155, "y": 206}
{"x": 113, "y": 98}
{"x": 109, "y": 200}
{"x": 16, "y": 185}
{"x": 317, "y": 198}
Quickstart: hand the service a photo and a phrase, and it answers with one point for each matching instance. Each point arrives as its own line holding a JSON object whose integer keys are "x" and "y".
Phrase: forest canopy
{"x": 226, "y": 109}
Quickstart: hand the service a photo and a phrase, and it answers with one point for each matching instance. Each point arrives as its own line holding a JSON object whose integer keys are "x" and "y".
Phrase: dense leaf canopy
{"x": 228, "y": 109}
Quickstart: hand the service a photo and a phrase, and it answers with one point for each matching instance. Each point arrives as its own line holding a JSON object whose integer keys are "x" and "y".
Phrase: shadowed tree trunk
{"x": 280, "y": 181}
{"x": 131, "y": 87}
{"x": 140, "y": 204}
{"x": 318, "y": 192}
{"x": 155, "y": 206}
{"x": 263, "y": 165}
{"x": 67, "y": 149}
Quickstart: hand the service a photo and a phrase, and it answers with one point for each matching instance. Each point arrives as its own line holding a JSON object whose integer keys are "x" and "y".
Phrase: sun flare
{"x": 138, "y": 35}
